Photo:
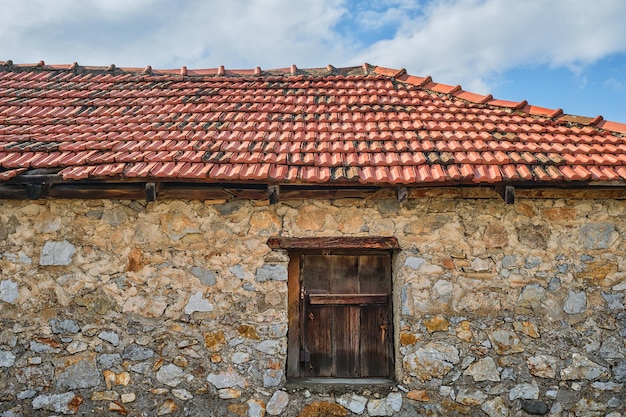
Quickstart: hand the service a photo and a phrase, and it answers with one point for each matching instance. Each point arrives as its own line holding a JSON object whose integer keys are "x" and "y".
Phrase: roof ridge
{"x": 365, "y": 69}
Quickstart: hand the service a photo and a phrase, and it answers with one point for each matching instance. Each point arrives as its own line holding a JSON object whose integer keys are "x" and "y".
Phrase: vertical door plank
{"x": 374, "y": 274}
{"x": 344, "y": 274}
{"x": 376, "y": 341}
{"x": 319, "y": 340}
{"x": 346, "y": 346}
{"x": 293, "y": 316}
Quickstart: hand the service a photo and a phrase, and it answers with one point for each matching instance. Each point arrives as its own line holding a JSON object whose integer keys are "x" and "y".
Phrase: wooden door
{"x": 345, "y": 316}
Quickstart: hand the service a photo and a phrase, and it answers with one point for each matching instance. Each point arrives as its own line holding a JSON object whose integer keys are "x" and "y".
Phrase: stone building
{"x": 325, "y": 242}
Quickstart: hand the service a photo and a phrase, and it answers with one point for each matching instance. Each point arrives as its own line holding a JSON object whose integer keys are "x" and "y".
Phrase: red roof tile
{"x": 360, "y": 125}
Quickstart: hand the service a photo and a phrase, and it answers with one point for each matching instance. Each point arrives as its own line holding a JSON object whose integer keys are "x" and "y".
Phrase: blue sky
{"x": 568, "y": 54}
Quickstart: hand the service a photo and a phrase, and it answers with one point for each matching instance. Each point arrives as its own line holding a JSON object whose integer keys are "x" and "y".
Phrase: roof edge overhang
{"x": 33, "y": 187}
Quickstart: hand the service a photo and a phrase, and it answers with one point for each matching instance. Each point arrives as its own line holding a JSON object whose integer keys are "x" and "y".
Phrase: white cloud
{"x": 472, "y": 41}
{"x": 162, "y": 33}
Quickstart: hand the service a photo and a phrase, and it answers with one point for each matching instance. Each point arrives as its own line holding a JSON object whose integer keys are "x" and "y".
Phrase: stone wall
{"x": 180, "y": 308}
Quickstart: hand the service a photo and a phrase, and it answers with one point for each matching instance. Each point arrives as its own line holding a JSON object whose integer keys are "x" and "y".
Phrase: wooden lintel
{"x": 336, "y": 243}
{"x": 273, "y": 191}
{"x": 35, "y": 191}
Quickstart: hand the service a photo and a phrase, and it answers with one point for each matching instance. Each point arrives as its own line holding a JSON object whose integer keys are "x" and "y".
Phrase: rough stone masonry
{"x": 180, "y": 308}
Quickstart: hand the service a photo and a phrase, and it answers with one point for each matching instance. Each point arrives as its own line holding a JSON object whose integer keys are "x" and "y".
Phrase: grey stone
{"x": 505, "y": 342}
{"x": 182, "y": 394}
{"x": 238, "y": 271}
{"x": 274, "y": 272}
{"x": 508, "y": 261}
{"x": 532, "y": 262}
{"x": 495, "y": 408}
{"x": 26, "y": 394}
{"x": 612, "y": 348}
{"x": 607, "y": 386}
{"x": 405, "y": 292}
{"x": 204, "y": 275}
{"x": 596, "y": 235}
{"x": 555, "y": 284}
{"x": 64, "y": 326}
{"x": 58, "y": 403}
{"x": 76, "y": 371}
{"x": 582, "y": 368}
{"x": 378, "y": 408}
{"x": 272, "y": 377}
{"x": 354, "y": 403}
{"x": 38, "y": 347}
{"x": 484, "y": 369}
{"x": 9, "y": 291}
{"x": 240, "y": 357}
{"x": 536, "y": 408}
{"x": 197, "y": 302}
{"x": 271, "y": 347}
{"x": 575, "y": 303}
{"x": 109, "y": 360}
{"x": 525, "y": 391}
{"x": 76, "y": 346}
{"x": 137, "y": 353}
{"x": 170, "y": 375}
{"x": 111, "y": 337}
{"x": 394, "y": 401}
{"x": 143, "y": 368}
{"x": 248, "y": 287}
{"x": 562, "y": 268}
{"x": 7, "y": 359}
{"x": 614, "y": 301}
{"x": 255, "y": 408}
{"x": 414, "y": 262}
{"x": 114, "y": 217}
{"x": 278, "y": 330}
{"x": 35, "y": 377}
{"x": 226, "y": 379}
{"x": 531, "y": 296}
{"x": 543, "y": 366}
{"x": 586, "y": 258}
{"x": 619, "y": 372}
{"x": 277, "y": 403}
{"x": 57, "y": 253}
{"x": 229, "y": 207}
{"x": 614, "y": 403}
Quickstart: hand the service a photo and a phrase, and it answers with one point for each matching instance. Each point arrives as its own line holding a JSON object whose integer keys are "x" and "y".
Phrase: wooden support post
{"x": 151, "y": 192}
{"x": 274, "y": 193}
{"x": 507, "y": 193}
{"x": 402, "y": 193}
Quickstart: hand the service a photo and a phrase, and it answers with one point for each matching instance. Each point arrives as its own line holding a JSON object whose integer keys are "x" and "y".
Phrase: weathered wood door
{"x": 346, "y": 316}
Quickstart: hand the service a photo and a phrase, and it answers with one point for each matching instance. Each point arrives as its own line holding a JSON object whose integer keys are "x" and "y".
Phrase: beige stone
{"x": 418, "y": 395}
{"x": 528, "y": 328}
{"x": 436, "y": 324}
{"x": 464, "y": 331}
{"x": 104, "y": 396}
{"x": 214, "y": 341}
{"x": 128, "y": 397}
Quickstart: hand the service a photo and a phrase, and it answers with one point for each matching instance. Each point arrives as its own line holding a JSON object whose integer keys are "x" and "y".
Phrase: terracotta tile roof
{"x": 363, "y": 125}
